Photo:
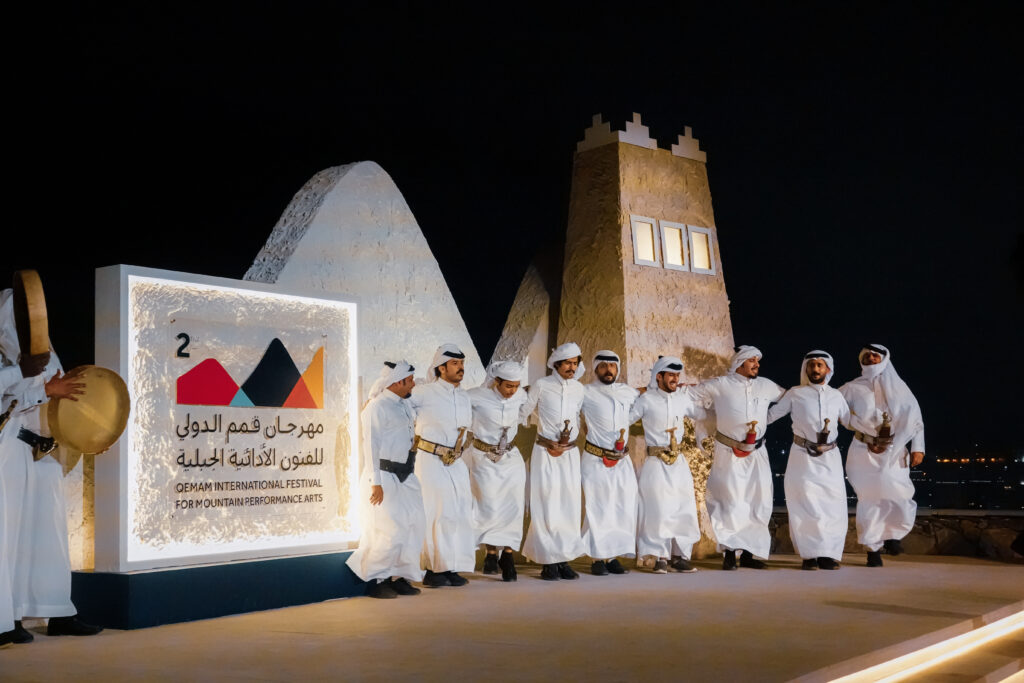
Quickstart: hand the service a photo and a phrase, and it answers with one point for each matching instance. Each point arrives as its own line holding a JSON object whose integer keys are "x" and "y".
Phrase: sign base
{"x": 150, "y": 598}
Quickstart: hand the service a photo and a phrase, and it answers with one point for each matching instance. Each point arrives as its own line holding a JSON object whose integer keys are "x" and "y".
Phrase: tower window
{"x": 645, "y": 241}
{"x": 700, "y": 248}
{"x": 673, "y": 245}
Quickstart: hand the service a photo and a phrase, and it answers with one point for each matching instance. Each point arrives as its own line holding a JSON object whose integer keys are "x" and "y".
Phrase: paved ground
{"x": 747, "y": 625}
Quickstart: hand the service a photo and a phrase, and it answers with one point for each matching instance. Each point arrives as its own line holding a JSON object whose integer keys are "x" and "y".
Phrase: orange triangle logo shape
{"x": 313, "y": 378}
{"x": 300, "y": 398}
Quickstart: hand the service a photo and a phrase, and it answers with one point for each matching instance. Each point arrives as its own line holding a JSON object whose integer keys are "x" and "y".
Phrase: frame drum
{"x": 96, "y": 420}
{"x": 30, "y": 313}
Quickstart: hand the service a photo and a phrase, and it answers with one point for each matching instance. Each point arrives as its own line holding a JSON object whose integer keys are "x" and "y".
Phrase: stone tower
{"x": 642, "y": 270}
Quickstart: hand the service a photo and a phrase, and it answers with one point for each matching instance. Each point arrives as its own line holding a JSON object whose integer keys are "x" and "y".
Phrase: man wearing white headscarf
{"x": 815, "y": 486}
{"x": 739, "y": 494}
{"x": 884, "y": 417}
{"x": 443, "y": 417}
{"x": 668, "y": 525}
{"x": 496, "y": 468}
{"x": 34, "y": 535}
{"x": 553, "y": 538}
{"x": 609, "y": 480}
{"x": 388, "y": 557}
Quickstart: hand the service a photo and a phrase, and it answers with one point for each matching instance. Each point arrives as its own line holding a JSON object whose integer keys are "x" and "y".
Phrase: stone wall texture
{"x": 349, "y": 233}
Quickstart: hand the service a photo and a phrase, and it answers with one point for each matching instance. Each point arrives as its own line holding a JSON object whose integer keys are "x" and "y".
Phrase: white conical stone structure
{"x": 350, "y": 233}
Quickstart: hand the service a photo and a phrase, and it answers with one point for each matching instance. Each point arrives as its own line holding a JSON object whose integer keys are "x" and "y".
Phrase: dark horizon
{"x": 864, "y": 162}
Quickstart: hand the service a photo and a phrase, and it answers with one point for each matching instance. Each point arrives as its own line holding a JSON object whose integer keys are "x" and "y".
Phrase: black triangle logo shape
{"x": 275, "y": 376}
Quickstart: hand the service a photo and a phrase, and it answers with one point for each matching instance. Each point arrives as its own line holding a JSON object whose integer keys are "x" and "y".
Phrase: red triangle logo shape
{"x": 300, "y": 397}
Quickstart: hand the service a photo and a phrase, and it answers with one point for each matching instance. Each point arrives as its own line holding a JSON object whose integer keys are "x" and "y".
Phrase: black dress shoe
{"x": 71, "y": 626}
{"x": 436, "y": 579}
{"x": 809, "y": 565}
{"x": 615, "y": 567}
{"x": 729, "y": 561}
{"x": 6, "y": 639}
{"x": 749, "y": 561}
{"x": 874, "y": 558}
{"x": 508, "y": 566}
{"x": 827, "y": 563}
{"x": 549, "y": 572}
{"x": 893, "y": 546}
{"x": 456, "y": 580}
{"x": 682, "y": 565}
{"x": 20, "y": 635}
{"x": 566, "y": 572}
{"x": 382, "y": 590}
{"x": 599, "y": 568}
{"x": 403, "y": 587}
{"x": 491, "y": 563}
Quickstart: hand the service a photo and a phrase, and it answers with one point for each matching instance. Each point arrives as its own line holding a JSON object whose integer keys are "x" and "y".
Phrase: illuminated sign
{"x": 242, "y": 442}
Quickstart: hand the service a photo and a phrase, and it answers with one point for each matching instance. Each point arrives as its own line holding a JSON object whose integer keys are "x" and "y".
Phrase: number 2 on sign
{"x": 185, "y": 340}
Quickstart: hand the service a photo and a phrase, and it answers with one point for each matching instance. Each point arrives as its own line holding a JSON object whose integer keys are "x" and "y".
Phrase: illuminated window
{"x": 645, "y": 241}
{"x": 673, "y": 245}
{"x": 702, "y": 258}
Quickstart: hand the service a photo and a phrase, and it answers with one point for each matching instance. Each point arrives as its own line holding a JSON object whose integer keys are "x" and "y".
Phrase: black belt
{"x": 814, "y": 449}
{"x": 40, "y": 444}
{"x": 738, "y": 445}
{"x": 402, "y": 470}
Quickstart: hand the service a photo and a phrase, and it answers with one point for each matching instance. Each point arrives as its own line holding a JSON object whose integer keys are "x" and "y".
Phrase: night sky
{"x": 865, "y": 163}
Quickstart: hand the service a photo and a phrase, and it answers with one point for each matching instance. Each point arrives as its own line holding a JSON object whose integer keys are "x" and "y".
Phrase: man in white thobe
{"x": 609, "y": 480}
{"x": 668, "y": 525}
{"x": 739, "y": 494}
{"x": 496, "y": 468}
{"x": 884, "y": 417}
{"x": 34, "y": 535}
{"x": 815, "y": 486}
{"x": 443, "y": 417}
{"x": 553, "y": 539}
{"x": 388, "y": 557}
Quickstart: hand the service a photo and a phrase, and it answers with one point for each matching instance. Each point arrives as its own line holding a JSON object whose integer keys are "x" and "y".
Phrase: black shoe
{"x": 893, "y": 547}
{"x": 874, "y": 558}
{"x": 566, "y": 572}
{"x": 6, "y": 639}
{"x": 827, "y": 563}
{"x": 20, "y": 635}
{"x": 615, "y": 567}
{"x": 436, "y": 580}
{"x": 748, "y": 560}
{"x": 549, "y": 572}
{"x": 508, "y": 566}
{"x": 809, "y": 565}
{"x": 71, "y": 626}
{"x": 660, "y": 566}
{"x": 403, "y": 587}
{"x": 381, "y": 589}
{"x": 599, "y": 568}
{"x": 729, "y": 561}
{"x": 491, "y": 563}
{"x": 456, "y": 580}
{"x": 682, "y": 565}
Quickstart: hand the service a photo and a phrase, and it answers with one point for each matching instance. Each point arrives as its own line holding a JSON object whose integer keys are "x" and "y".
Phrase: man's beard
{"x": 817, "y": 380}
{"x": 607, "y": 378}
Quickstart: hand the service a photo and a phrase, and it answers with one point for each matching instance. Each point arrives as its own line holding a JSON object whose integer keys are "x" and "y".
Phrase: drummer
{"x": 33, "y": 522}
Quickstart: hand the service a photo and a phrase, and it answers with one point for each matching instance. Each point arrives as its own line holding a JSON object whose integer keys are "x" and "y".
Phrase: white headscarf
{"x": 664, "y": 364}
{"x": 817, "y": 353}
{"x": 743, "y": 353}
{"x": 565, "y": 352}
{"x": 389, "y": 374}
{"x": 508, "y": 370}
{"x": 903, "y": 406}
{"x": 444, "y": 353}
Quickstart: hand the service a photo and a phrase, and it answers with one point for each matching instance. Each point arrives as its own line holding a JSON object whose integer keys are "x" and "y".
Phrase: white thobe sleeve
{"x": 8, "y": 376}
{"x": 530, "y": 405}
{"x": 372, "y": 427}
{"x": 783, "y": 407}
{"x": 844, "y": 414}
{"x": 917, "y": 443}
{"x": 636, "y": 411}
{"x": 779, "y": 392}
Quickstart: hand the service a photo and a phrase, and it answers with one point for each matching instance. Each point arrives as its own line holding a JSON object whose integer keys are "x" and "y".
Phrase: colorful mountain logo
{"x": 275, "y": 383}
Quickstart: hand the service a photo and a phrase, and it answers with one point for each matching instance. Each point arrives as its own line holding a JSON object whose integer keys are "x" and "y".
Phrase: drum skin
{"x": 97, "y": 419}
{"x": 30, "y": 313}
